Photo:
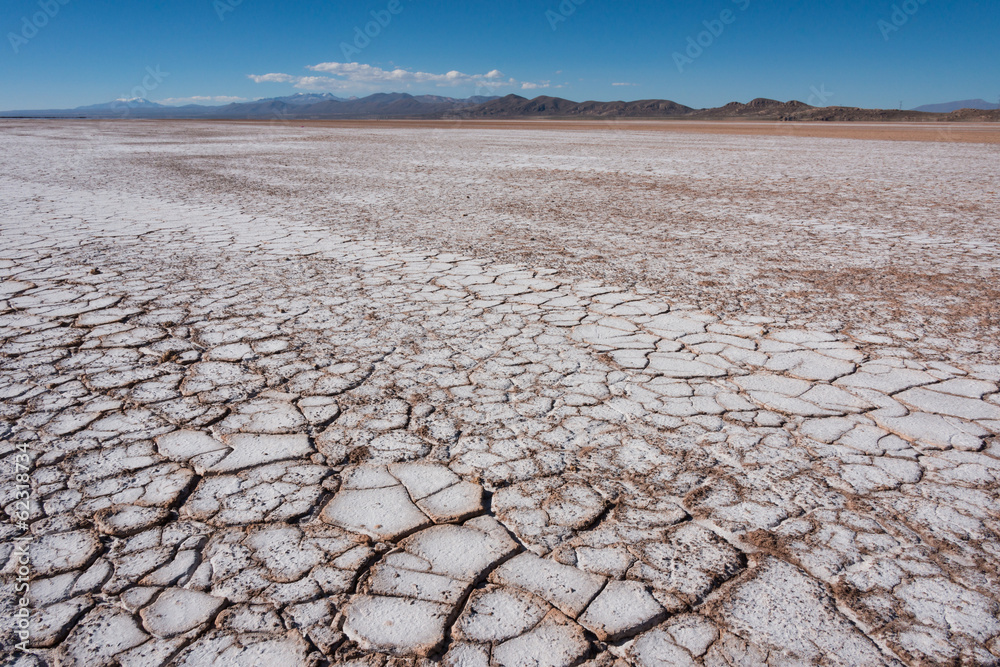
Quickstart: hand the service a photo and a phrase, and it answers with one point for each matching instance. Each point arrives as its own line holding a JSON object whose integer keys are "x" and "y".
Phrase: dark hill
{"x": 515, "y": 106}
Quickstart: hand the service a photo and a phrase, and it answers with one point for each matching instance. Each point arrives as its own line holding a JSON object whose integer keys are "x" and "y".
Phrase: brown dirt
{"x": 975, "y": 133}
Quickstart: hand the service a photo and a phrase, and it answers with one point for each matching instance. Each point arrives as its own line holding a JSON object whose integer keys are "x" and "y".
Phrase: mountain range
{"x": 298, "y": 106}
{"x": 515, "y": 106}
{"x": 948, "y": 107}
{"x": 316, "y": 106}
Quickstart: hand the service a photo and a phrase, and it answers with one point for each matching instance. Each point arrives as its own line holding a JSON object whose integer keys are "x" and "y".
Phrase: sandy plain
{"x": 971, "y": 132}
{"x": 372, "y": 394}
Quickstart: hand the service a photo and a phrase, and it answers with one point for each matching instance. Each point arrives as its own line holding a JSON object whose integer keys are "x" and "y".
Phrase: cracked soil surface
{"x": 408, "y": 396}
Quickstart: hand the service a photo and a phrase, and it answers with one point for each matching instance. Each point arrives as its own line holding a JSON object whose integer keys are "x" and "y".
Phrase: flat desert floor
{"x": 404, "y": 393}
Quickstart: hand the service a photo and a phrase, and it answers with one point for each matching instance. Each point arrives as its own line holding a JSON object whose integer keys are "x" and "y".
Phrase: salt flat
{"x": 407, "y": 395}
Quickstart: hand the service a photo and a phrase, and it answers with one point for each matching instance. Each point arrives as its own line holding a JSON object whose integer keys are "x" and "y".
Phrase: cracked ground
{"x": 383, "y": 396}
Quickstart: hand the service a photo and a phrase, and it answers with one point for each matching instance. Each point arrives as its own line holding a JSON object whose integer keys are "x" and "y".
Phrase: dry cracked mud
{"x": 259, "y": 429}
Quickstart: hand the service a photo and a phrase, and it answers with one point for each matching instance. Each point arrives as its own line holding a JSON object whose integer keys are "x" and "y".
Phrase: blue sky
{"x": 65, "y": 53}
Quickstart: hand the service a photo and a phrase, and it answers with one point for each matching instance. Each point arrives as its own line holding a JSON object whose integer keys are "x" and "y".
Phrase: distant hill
{"x": 294, "y": 107}
{"x": 377, "y": 105}
{"x": 948, "y": 107}
{"x": 301, "y": 99}
{"x": 116, "y": 105}
{"x": 765, "y": 109}
{"x": 758, "y": 109}
{"x": 515, "y": 105}
{"x": 318, "y": 106}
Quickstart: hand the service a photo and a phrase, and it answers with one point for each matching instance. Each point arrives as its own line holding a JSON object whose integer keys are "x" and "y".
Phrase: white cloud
{"x": 202, "y": 99}
{"x": 273, "y": 78}
{"x": 624, "y": 84}
{"x": 355, "y": 76}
